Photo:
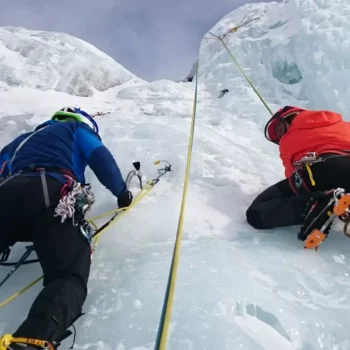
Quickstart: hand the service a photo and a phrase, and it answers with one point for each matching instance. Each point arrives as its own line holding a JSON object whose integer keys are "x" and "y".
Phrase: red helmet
{"x": 272, "y": 132}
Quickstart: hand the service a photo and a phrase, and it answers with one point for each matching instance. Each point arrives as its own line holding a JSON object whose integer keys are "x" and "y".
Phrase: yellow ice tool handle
{"x": 311, "y": 176}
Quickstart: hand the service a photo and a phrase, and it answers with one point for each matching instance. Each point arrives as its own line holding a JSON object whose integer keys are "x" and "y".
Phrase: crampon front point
{"x": 342, "y": 205}
{"x": 340, "y": 209}
{"x": 314, "y": 239}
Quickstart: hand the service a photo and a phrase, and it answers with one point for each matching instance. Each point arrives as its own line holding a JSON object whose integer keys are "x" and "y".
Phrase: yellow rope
{"x": 245, "y": 75}
{"x": 169, "y": 297}
{"x": 20, "y": 292}
{"x": 148, "y": 188}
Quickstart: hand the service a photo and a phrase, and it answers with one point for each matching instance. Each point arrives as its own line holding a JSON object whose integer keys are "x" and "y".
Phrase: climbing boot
{"x": 319, "y": 214}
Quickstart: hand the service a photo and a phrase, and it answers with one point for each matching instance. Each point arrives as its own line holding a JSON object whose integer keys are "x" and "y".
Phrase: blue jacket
{"x": 67, "y": 145}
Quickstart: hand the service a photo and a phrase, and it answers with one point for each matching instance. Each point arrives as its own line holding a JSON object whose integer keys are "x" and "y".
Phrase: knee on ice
{"x": 253, "y": 218}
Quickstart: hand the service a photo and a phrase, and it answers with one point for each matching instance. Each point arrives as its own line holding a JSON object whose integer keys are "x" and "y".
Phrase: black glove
{"x": 125, "y": 200}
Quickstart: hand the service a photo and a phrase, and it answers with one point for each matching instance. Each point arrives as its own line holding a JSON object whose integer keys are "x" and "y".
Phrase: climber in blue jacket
{"x": 35, "y": 170}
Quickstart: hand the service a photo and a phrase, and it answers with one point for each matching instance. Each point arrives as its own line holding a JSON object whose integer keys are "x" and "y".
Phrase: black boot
{"x": 318, "y": 211}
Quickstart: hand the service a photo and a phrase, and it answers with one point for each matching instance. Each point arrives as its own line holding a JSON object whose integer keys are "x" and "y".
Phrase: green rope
{"x": 247, "y": 78}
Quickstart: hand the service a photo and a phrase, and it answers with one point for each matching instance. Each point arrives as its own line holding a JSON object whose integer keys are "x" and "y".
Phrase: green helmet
{"x": 73, "y": 113}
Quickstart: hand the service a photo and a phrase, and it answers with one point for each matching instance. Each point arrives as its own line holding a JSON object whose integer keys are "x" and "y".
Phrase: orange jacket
{"x": 314, "y": 131}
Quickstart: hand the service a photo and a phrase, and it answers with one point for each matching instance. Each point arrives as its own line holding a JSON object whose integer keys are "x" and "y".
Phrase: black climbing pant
{"x": 63, "y": 252}
{"x": 280, "y": 206}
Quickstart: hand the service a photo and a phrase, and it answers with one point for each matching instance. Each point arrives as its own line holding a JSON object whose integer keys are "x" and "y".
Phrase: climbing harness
{"x": 303, "y": 164}
{"x": 94, "y": 232}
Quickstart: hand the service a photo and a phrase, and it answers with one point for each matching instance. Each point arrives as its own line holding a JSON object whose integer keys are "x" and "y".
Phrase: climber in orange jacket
{"x": 315, "y": 151}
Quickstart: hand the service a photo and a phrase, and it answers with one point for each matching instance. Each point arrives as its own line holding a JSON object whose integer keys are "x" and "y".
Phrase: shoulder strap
{"x": 23, "y": 142}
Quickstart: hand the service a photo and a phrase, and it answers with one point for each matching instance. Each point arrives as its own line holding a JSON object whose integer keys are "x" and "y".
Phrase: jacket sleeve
{"x": 101, "y": 161}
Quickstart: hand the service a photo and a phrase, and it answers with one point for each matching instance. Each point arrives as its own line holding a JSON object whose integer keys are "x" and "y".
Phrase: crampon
{"x": 7, "y": 342}
{"x": 337, "y": 206}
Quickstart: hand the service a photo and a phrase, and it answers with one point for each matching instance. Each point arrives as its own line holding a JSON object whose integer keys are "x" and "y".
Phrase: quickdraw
{"x": 76, "y": 200}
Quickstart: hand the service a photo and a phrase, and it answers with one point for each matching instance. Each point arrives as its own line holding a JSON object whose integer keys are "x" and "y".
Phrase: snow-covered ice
{"x": 237, "y": 288}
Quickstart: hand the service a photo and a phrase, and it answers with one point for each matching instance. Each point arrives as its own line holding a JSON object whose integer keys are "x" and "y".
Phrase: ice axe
{"x": 136, "y": 172}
